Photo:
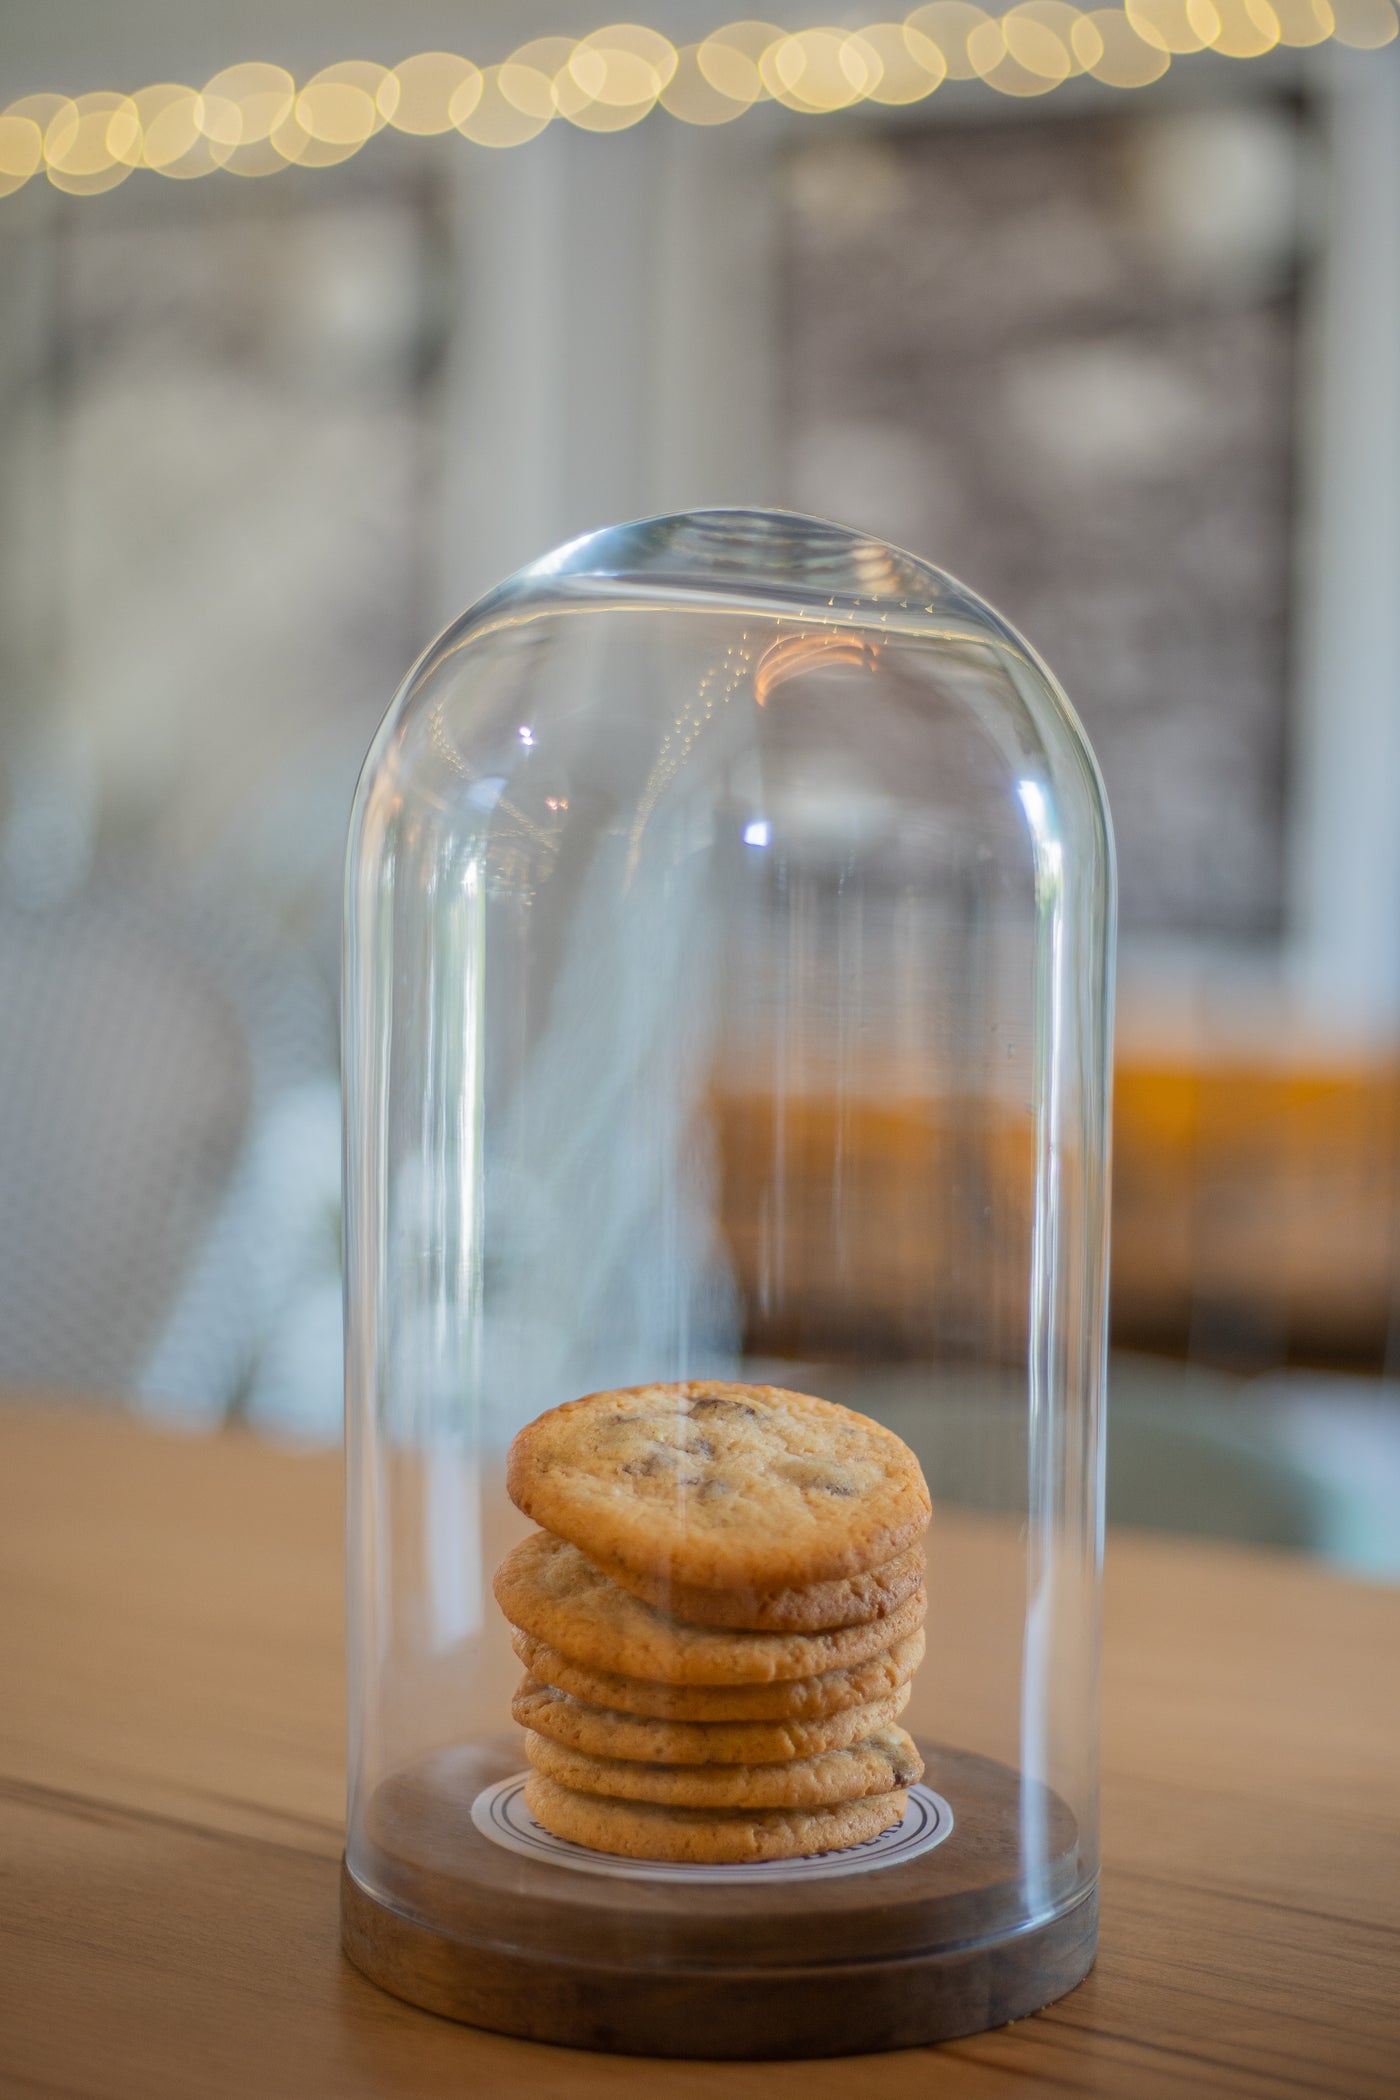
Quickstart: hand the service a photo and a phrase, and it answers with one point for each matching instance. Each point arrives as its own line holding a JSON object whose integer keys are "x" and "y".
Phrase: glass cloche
{"x": 729, "y": 953}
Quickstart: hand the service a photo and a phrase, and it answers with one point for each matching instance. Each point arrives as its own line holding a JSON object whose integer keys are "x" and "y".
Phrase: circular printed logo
{"x": 499, "y": 1813}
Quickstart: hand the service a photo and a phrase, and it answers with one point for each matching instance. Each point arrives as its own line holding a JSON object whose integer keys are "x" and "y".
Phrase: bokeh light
{"x": 690, "y": 96}
{"x": 262, "y": 95}
{"x": 862, "y": 63}
{"x": 426, "y": 86}
{"x": 911, "y": 66}
{"x": 251, "y": 119}
{"x": 169, "y": 114}
{"x": 817, "y": 70}
{"x": 528, "y": 87}
{"x": 949, "y": 24}
{"x": 629, "y": 41}
{"x": 341, "y": 105}
{"x": 1178, "y": 26}
{"x": 483, "y": 112}
{"x": 1246, "y": 28}
{"x": 1302, "y": 23}
{"x": 615, "y": 77}
{"x": 1108, "y": 46}
{"x": 732, "y": 58}
{"x": 1366, "y": 25}
{"x": 545, "y": 58}
{"x": 22, "y": 129}
{"x": 241, "y": 108}
{"x": 92, "y": 143}
{"x": 1056, "y": 16}
{"x": 330, "y": 119}
{"x": 1035, "y": 63}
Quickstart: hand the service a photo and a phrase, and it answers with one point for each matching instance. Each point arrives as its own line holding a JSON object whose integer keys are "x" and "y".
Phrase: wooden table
{"x": 171, "y": 1784}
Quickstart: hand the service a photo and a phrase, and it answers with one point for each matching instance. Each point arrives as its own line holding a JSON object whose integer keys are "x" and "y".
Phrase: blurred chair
{"x": 139, "y": 1047}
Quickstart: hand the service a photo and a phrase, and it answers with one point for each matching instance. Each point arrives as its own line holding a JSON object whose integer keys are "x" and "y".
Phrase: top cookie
{"x": 723, "y": 1486}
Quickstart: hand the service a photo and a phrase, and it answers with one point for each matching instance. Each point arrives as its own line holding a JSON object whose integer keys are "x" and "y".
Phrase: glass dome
{"x": 729, "y": 952}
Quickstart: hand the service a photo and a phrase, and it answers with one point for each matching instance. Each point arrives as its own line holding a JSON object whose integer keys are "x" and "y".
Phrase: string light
{"x": 1107, "y": 45}
{"x": 1177, "y": 26}
{"x": 691, "y": 95}
{"x": 949, "y": 25}
{"x": 253, "y": 120}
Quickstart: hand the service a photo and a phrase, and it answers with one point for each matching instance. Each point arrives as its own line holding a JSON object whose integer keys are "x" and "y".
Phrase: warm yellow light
{"x": 730, "y": 59}
{"x": 618, "y": 77}
{"x": 1244, "y": 28}
{"x": 262, "y": 95}
{"x": 816, "y": 70}
{"x": 949, "y": 24}
{"x": 1036, "y": 46}
{"x": 22, "y": 129}
{"x": 39, "y": 110}
{"x": 240, "y": 110}
{"x": 1057, "y": 16}
{"x": 340, "y": 106}
{"x": 547, "y": 57}
{"x": 1303, "y": 22}
{"x": 646, "y": 45}
{"x": 122, "y": 138}
{"x": 690, "y": 96}
{"x": 21, "y": 147}
{"x": 185, "y": 134}
{"x": 1019, "y": 56}
{"x": 910, "y": 67}
{"x": 1107, "y": 45}
{"x": 615, "y": 77}
{"x": 528, "y": 89}
{"x": 1178, "y": 26}
{"x": 466, "y": 97}
{"x": 481, "y": 111}
{"x": 862, "y": 63}
{"x": 92, "y": 143}
{"x": 169, "y": 115}
{"x": 536, "y": 81}
{"x": 1366, "y": 25}
{"x": 251, "y": 119}
{"x": 426, "y": 86}
{"x": 295, "y": 144}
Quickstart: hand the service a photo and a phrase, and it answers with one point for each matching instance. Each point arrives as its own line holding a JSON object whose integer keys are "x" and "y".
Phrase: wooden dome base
{"x": 905, "y": 1955}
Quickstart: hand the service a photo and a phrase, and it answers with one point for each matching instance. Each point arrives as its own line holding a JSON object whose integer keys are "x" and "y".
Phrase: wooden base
{"x": 902, "y": 1956}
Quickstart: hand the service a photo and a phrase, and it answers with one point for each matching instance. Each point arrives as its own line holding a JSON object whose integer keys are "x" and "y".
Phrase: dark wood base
{"x": 903, "y": 1956}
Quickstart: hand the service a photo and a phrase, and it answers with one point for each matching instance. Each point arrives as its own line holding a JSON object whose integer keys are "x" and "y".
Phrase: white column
{"x": 1345, "y": 861}
{"x": 612, "y": 355}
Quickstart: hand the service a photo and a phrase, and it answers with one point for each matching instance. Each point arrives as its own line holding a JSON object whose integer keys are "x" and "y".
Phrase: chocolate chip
{"x": 658, "y": 1461}
{"x": 721, "y": 1404}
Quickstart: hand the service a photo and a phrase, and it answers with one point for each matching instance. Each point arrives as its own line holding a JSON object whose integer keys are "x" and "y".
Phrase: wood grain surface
{"x": 171, "y": 1773}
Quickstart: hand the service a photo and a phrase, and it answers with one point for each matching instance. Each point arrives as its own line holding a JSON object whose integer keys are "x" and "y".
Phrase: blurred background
{"x": 1100, "y": 311}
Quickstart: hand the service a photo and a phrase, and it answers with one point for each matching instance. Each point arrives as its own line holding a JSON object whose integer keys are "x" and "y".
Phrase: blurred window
{"x": 1057, "y": 355}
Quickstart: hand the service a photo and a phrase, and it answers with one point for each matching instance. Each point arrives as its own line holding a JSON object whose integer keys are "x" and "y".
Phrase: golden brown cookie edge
{"x": 711, "y": 1837}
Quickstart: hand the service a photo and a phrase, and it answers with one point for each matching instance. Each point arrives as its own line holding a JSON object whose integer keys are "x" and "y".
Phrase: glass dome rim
{"x": 570, "y": 577}
{"x": 595, "y": 560}
{"x": 565, "y": 577}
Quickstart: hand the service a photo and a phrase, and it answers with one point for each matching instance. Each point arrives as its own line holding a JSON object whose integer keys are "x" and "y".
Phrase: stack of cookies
{"x": 720, "y": 1620}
